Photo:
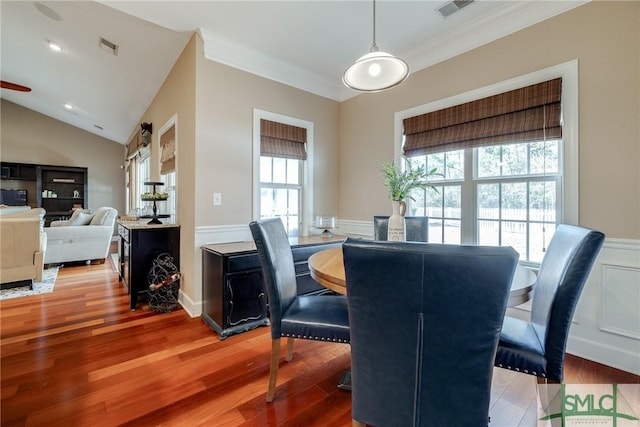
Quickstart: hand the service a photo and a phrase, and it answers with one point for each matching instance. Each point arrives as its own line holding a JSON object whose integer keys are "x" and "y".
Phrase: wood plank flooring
{"x": 80, "y": 357}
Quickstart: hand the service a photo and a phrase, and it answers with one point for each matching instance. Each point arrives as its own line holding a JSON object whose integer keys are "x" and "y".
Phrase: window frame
{"x": 285, "y": 186}
{"x": 306, "y": 170}
{"x": 143, "y": 157}
{"x": 569, "y": 156}
{"x": 172, "y": 202}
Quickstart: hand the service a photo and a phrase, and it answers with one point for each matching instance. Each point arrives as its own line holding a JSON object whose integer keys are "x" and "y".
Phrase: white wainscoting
{"x": 606, "y": 326}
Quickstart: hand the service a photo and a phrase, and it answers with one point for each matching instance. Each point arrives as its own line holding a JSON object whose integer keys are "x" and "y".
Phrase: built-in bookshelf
{"x": 57, "y": 189}
{"x": 61, "y": 189}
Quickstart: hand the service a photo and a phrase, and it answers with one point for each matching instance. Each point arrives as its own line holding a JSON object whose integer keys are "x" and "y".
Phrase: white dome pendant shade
{"x": 376, "y": 70}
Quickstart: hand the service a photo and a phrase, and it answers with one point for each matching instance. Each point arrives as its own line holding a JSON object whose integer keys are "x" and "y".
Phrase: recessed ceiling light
{"x": 68, "y": 106}
{"x": 55, "y": 46}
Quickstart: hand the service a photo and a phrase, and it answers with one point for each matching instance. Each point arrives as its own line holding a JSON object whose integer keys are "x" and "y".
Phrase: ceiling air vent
{"x": 452, "y": 7}
{"x": 110, "y": 47}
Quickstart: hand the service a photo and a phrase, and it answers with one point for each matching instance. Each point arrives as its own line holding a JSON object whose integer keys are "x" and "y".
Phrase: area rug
{"x": 46, "y": 286}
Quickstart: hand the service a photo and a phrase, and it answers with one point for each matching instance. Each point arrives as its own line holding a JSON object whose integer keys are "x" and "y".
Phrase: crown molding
{"x": 513, "y": 17}
{"x": 488, "y": 27}
{"x": 244, "y": 58}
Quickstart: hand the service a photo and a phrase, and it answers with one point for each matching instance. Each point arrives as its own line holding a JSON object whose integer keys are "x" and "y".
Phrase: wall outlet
{"x": 217, "y": 199}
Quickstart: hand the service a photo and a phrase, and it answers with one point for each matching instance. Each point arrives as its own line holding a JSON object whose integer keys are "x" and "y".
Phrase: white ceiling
{"x": 306, "y": 44}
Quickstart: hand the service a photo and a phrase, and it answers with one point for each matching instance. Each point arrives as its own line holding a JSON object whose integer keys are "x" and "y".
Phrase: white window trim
{"x": 570, "y": 157}
{"x": 307, "y": 165}
{"x": 173, "y": 121}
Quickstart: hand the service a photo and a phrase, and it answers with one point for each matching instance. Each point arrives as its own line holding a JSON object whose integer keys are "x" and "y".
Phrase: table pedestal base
{"x": 345, "y": 381}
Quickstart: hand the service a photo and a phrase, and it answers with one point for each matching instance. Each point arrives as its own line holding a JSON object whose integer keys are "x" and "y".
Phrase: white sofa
{"x": 23, "y": 244}
{"x": 85, "y": 236}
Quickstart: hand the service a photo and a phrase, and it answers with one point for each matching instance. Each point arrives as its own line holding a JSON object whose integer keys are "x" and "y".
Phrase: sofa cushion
{"x": 104, "y": 216}
{"x": 11, "y": 210}
{"x": 80, "y": 217}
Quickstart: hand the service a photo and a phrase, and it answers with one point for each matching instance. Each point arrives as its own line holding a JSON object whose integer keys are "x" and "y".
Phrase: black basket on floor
{"x": 164, "y": 284}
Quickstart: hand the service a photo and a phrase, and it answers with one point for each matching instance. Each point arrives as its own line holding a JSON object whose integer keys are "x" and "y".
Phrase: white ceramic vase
{"x": 396, "y": 229}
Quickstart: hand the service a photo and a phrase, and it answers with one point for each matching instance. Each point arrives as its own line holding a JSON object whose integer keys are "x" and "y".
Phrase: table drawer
{"x": 123, "y": 233}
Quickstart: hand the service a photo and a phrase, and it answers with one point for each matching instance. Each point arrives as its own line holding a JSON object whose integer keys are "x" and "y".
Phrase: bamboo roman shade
{"x": 281, "y": 140}
{"x": 133, "y": 146}
{"x": 528, "y": 114}
{"x": 168, "y": 155}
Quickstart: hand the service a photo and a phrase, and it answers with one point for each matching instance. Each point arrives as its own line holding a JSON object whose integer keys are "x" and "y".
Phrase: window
{"x": 513, "y": 191}
{"x": 280, "y": 191}
{"x": 169, "y": 180}
{"x": 282, "y": 181}
{"x": 143, "y": 174}
{"x": 509, "y": 192}
{"x": 168, "y": 152}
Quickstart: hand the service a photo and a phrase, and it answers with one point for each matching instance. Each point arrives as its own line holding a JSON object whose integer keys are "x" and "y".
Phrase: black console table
{"x": 140, "y": 244}
{"x": 233, "y": 295}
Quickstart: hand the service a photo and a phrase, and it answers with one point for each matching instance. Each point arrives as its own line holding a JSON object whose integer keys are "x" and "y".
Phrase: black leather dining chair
{"x": 537, "y": 347}
{"x": 425, "y": 322}
{"x": 313, "y": 317}
{"x": 417, "y": 228}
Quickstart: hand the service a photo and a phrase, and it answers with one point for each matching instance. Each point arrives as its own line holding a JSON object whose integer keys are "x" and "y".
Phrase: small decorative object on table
{"x": 164, "y": 284}
{"x": 400, "y": 183}
{"x": 326, "y": 223}
{"x": 155, "y": 197}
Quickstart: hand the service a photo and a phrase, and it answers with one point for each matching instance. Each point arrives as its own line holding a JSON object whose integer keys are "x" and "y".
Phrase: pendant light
{"x": 375, "y": 71}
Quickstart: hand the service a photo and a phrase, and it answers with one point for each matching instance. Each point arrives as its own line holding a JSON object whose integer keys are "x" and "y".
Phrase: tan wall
{"x": 214, "y": 104}
{"x": 226, "y": 98}
{"x": 31, "y": 137}
{"x": 605, "y": 39}
{"x": 177, "y": 97}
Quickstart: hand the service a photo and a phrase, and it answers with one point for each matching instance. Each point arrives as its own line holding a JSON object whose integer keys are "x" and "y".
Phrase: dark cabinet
{"x": 57, "y": 189}
{"x": 61, "y": 189}
{"x": 18, "y": 171}
{"x": 233, "y": 295}
{"x": 140, "y": 245}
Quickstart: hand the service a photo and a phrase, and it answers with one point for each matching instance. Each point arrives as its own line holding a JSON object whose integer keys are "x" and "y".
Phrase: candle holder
{"x": 327, "y": 223}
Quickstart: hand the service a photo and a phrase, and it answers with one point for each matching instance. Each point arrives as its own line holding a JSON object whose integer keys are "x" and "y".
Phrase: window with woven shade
{"x": 168, "y": 142}
{"x": 282, "y": 167}
{"x": 168, "y": 151}
{"x": 531, "y": 113}
{"x": 500, "y": 160}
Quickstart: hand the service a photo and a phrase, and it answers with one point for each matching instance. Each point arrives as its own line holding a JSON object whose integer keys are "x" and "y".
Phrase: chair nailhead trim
{"x": 526, "y": 371}
{"x": 315, "y": 338}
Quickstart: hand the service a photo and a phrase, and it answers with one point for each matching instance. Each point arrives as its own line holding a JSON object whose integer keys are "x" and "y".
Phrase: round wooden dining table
{"x": 327, "y": 268}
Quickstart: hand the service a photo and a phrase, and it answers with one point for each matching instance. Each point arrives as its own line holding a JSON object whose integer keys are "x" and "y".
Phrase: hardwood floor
{"x": 80, "y": 357}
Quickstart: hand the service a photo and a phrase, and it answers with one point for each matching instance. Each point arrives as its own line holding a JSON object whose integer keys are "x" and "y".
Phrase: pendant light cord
{"x": 374, "y": 47}
{"x": 544, "y": 183}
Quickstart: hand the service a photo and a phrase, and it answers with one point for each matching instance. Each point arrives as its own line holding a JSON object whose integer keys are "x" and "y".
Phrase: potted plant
{"x": 399, "y": 183}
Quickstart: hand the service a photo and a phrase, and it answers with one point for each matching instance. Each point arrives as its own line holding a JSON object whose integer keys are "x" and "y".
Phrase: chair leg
{"x": 547, "y": 390}
{"x": 357, "y": 423}
{"x": 273, "y": 370}
{"x": 289, "y": 349}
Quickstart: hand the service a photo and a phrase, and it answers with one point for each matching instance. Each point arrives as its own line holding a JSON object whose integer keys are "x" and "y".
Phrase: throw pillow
{"x": 103, "y": 216}
{"x": 80, "y": 217}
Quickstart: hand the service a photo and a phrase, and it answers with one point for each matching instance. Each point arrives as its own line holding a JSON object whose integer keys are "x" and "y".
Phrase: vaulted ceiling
{"x": 305, "y": 43}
